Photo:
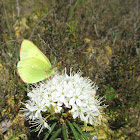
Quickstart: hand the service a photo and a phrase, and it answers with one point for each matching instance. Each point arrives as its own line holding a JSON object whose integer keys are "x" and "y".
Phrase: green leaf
{"x": 64, "y": 131}
{"x": 110, "y": 96}
{"x": 64, "y": 114}
{"x": 87, "y": 134}
{"x": 55, "y": 134}
{"x": 112, "y": 89}
{"x": 73, "y": 130}
{"x": 105, "y": 87}
{"x": 49, "y": 132}
{"x": 80, "y": 137}
{"x": 68, "y": 25}
{"x": 80, "y": 131}
{"x": 33, "y": 130}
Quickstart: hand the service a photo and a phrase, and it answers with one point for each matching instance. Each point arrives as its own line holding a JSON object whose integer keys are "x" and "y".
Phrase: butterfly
{"x": 33, "y": 66}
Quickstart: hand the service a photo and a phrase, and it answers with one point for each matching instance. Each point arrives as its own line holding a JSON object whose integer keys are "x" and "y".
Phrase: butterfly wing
{"x": 29, "y": 50}
{"x": 33, "y": 70}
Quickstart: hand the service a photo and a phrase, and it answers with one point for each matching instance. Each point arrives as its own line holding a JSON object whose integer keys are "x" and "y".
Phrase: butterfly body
{"x": 33, "y": 66}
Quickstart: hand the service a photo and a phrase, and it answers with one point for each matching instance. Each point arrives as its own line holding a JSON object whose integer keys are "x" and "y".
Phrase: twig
{"x": 6, "y": 17}
{"x": 96, "y": 31}
{"x": 137, "y": 15}
{"x": 38, "y": 24}
{"x": 18, "y": 14}
{"x": 94, "y": 18}
{"x": 46, "y": 44}
{"x": 3, "y": 43}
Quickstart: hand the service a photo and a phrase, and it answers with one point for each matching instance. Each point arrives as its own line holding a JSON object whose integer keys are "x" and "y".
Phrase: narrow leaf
{"x": 49, "y": 132}
{"x": 64, "y": 131}
{"x": 73, "y": 130}
{"x": 33, "y": 130}
{"x": 55, "y": 134}
{"x": 87, "y": 134}
{"x": 112, "y": 89}
{"x": 80, "y": 131}
{"x": 105, "y": 87}
{"x": 110, "y": 96}
{"x": 68, "y": 25}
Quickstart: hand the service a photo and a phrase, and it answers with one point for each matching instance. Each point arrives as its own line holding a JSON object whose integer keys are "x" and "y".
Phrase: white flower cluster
{"x": 74, "y": 91}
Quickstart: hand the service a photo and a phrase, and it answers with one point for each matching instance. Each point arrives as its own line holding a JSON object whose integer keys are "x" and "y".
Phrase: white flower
{"x": 40, "y": 123}
{"x": 74, "y": 93}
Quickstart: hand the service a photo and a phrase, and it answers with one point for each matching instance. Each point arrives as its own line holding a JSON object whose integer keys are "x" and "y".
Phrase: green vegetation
{"x": 101, "y": 38}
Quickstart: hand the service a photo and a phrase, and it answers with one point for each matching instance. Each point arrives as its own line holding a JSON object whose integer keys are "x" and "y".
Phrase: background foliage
{"x": 101, "y": 38}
